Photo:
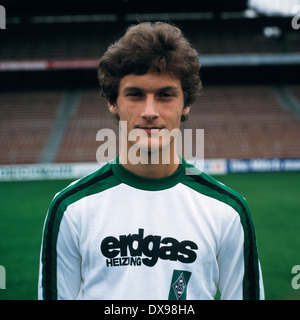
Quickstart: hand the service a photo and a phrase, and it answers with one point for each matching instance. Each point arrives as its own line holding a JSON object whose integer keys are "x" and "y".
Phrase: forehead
{"x": 151, "y": 81}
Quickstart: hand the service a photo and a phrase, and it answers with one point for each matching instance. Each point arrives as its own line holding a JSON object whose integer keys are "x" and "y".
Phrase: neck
{"x": 151, "y": 169}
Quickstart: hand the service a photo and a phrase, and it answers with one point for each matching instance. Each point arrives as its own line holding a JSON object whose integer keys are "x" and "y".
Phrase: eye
{"x": 134, "y": 94}
{"x": 166, "y": 95}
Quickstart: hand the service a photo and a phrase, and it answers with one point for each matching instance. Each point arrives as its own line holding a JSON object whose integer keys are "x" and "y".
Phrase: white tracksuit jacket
{"x": 115, "y": 235}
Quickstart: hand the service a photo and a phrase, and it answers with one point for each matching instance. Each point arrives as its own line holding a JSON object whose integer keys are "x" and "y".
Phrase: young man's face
{"x": 150, "y": 102}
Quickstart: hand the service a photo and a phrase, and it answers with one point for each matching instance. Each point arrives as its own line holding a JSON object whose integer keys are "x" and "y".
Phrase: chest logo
{"x": 135, "y": 250}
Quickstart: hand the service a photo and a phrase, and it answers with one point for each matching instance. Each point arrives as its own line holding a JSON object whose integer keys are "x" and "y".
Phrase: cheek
{"x": 174, "y": 118}
{"x": 129, "y": 117}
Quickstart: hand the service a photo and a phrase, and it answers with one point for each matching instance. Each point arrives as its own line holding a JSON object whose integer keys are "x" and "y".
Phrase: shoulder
{"x": 96, "y": 182}
{"x": 209, "y": 186}
{"x": 93, "y": 183}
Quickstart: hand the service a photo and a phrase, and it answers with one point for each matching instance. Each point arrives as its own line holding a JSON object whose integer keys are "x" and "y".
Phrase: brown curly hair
{"x": 158, "y": 46}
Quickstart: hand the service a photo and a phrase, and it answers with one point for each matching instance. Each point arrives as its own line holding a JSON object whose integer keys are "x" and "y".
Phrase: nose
{"x": 150, "y": 110}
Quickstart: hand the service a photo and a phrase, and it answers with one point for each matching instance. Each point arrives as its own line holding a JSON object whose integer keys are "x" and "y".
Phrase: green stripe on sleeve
{"x": 212, "y": 188}
{"x": 97, "y": 182}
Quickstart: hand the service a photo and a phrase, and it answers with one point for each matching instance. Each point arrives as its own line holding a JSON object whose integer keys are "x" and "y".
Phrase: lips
{"x": 150, "y": 130}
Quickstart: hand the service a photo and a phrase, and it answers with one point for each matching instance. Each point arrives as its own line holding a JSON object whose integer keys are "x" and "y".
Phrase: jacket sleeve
{"x": 60, "y": 264}
{"x": 235, "y": 272}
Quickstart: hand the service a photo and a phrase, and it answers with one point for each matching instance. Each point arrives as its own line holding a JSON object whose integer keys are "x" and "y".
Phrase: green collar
{"x": 151, "y": 184}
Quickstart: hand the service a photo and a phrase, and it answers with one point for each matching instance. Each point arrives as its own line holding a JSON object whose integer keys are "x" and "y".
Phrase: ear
{"x": 185, "y": 113}
{"x": 113, "y": 108}
{"x": 186, "y": 110}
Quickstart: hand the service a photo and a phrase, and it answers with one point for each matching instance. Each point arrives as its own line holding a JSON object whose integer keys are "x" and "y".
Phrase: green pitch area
{"x": 273, "y": 198}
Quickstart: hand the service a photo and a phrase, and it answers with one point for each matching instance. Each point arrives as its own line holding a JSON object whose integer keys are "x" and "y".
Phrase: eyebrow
{"x": 167, "y": 88}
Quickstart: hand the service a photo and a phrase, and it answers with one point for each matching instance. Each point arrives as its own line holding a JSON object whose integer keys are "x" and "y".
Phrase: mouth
{"x": 150, "y": 130}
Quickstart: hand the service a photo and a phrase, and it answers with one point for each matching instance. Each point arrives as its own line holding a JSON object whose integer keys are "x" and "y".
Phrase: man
{"x": 142, "y": 229}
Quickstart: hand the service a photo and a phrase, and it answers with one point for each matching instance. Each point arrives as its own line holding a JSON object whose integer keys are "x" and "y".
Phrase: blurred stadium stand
{"x": 50, "y": 109}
